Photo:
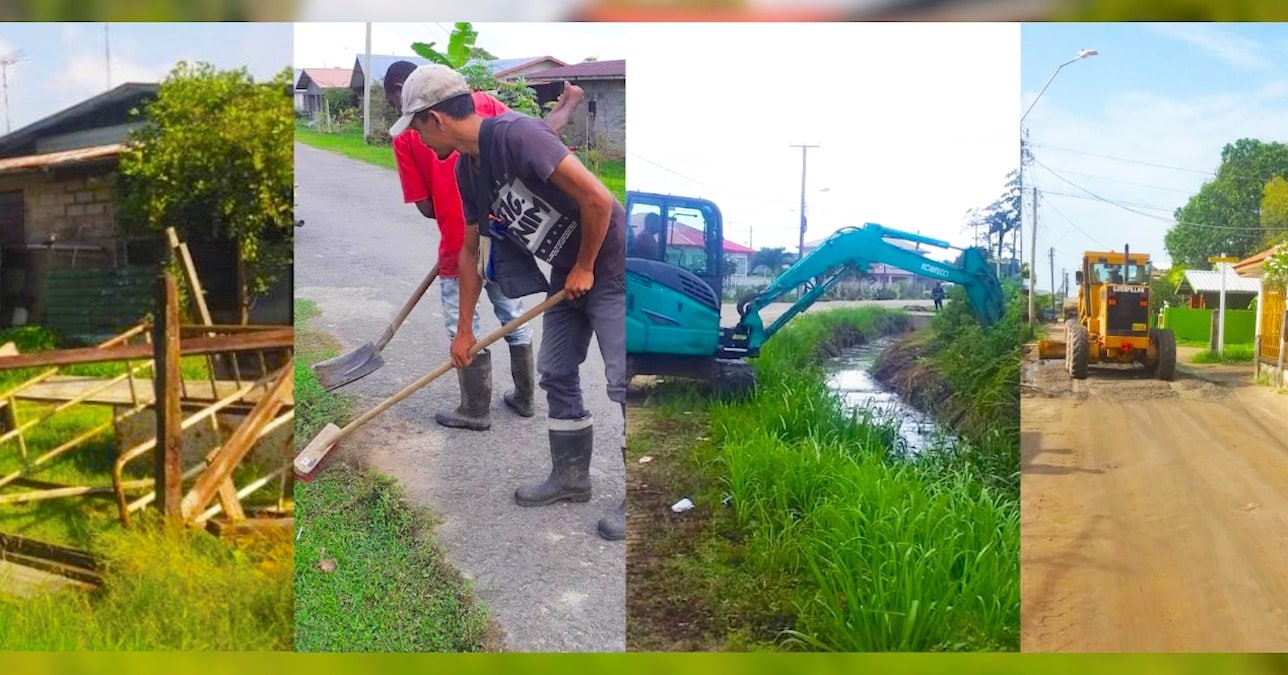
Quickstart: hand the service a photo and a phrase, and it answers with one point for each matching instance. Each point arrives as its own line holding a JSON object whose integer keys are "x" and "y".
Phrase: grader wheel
{"x": 1079, "y": 352}
{"x": 1164, "y": 343}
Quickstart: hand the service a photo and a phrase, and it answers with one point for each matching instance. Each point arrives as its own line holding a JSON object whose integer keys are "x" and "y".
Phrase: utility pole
{"x": 1051, "y": 257}
{"x": 800, "y": 252}
{"x": 1033, "y": 256}
{"x": 366, "y": 89}
{"x": 6, "y": 61}
{"x": 107, "y": 53}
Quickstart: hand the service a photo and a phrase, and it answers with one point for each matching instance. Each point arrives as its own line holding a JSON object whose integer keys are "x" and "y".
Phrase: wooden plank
{"x": 239, "y": 444}
{"x": 278, "y": 338}
{"x": 67, "y": 387}
{"x": 74, "y": 491}
{"x": 190, "y": 275}
{"x": 223, "y": 528}
{"x": 167, "y": 464}
{"x": 12, "y": 543}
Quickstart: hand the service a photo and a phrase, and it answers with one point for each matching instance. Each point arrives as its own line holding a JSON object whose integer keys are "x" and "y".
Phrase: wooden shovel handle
{"x": 406, "y": 309}
{"x": 439, "y": 371}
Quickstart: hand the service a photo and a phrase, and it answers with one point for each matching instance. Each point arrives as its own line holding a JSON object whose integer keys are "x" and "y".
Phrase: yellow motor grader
{"x": 1112, "y": 324}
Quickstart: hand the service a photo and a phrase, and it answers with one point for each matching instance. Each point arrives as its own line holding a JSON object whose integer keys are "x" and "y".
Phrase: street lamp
{"x": 1033, "y": 245}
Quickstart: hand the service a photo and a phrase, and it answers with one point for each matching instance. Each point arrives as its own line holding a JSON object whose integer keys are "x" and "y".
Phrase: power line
{"x": 1068, "y": 220}
{"x": 1120, "y": 159}
{"x": 1128, "y": 182}
{"x": 709, "y": 185}
{"x": 1128, "y": 206}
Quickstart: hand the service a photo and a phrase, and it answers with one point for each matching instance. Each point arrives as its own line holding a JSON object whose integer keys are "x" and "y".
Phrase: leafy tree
{"x": 465, "y": 57}
{"x": 773, "y": 258}
{"x": 1001, "y": 218}
{"x": 1224, "y": 217}
{"x": 214, "y": 160}
{"x": 1274, "y": 211}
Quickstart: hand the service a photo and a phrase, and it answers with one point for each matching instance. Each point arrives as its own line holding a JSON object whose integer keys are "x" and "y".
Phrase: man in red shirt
{"x": 430, "y": 184}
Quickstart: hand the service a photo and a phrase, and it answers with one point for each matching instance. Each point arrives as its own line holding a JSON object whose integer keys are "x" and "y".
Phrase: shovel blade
{"x": 313, "y": 457}
{"x": 336, "y": 372}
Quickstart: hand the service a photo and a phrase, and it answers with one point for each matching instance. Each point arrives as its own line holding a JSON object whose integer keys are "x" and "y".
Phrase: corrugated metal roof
{"x": 89, "y": 109}
{"x": 326, "y": 78}
{"x": 587, "y": 70}
{"x": 1209, "y": 281}
{"x": 379, "y": 65}
{"x": 500, "y": 67}
{"x": 29, "y": 162}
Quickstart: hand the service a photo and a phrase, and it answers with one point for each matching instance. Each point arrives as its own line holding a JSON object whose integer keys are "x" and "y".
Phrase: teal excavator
{"x": 675, "y": 271}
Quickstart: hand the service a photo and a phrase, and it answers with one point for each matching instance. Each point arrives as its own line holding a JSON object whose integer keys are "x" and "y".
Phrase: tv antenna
{"x": 10, "y": 59}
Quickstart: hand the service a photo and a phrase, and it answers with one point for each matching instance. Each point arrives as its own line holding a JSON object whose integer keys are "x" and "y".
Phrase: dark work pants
{"x": 566, "y": 329}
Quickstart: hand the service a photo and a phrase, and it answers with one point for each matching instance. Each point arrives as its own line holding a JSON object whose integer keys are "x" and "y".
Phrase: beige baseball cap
{"x": 424, "y": 88}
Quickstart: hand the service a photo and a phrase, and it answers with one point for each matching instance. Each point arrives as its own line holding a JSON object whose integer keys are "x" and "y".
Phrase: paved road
{"x": 550, "y": 582}
{"x": 1153, "y": 513}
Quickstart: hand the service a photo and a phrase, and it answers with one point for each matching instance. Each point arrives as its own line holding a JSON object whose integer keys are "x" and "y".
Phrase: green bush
{"x": 30, "y": 338}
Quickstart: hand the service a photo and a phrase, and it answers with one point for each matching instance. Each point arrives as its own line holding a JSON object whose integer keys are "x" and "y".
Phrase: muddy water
{"x": 850, "y": 376}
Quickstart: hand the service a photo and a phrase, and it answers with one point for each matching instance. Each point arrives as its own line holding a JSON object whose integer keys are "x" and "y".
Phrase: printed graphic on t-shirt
{"x": 542, "y": 229}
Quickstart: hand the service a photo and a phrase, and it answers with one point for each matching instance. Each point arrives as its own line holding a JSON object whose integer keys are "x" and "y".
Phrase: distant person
{"x": 646, "y": 244}
{"x": 430, "y": 183}
{"x": 937, "y": 294}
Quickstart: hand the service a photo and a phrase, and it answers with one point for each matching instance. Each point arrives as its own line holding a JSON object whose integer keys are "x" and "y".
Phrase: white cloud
{"x": 1233, "y": 49}
{"x": 1159, "y": 128}
{"x": 87, "y": 71}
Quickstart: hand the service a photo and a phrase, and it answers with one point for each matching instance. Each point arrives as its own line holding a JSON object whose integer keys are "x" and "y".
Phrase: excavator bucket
{"x": 984, "y": 291}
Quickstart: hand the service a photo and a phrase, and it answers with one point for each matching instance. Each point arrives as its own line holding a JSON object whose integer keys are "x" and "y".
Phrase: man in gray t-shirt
{"x": 544, "y": 203}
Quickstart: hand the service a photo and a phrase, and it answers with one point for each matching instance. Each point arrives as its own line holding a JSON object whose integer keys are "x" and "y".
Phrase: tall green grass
{"x": 165, "y": 589}
{"x": 888, "y": 553}
{"x": 1238, "y": 353}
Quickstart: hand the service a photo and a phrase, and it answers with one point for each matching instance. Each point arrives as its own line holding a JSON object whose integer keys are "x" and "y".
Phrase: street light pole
{"x": 1033, "y": 245}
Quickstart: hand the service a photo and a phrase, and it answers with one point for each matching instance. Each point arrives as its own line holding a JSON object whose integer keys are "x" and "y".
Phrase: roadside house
{"x": 66, "y": 260}
{"x": 312, "y": 84}
{"x": 600, "y": 122}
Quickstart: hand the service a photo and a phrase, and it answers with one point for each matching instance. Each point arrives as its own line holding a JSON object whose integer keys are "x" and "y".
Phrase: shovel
{"x": 336, "y": 372}
{"x": 312, "y": 458}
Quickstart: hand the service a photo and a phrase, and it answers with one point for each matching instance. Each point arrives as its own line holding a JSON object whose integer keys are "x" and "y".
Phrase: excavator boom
{"x": 854, "y": 249}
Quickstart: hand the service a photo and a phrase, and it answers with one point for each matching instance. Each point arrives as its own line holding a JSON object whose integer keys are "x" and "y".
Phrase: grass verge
{"x": 350, "y": 143}
{"x": 165, "y": 589}
{"x": 1240, "y": 353}
{"x": 828, "y": 541}
{"x": 369, "y": 575}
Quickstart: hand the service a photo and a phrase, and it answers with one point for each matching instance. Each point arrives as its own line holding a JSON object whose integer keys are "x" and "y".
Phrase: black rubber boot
{"x": 571, "y": 444}
{"x": 521, "y": 368}
{"x": 613, "y": 526}
{"x": 476, "y": 396}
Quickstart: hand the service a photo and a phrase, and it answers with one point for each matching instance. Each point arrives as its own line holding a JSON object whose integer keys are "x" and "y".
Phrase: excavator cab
{"x": 675, "y": 268}
{"x": 674, "y": 271}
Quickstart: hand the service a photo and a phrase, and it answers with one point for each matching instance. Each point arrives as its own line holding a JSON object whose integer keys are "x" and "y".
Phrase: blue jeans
{"x": 506, "y": 310}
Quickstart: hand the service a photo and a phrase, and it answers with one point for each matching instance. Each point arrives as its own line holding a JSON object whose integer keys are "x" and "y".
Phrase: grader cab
{"x": 1112, "y": 324}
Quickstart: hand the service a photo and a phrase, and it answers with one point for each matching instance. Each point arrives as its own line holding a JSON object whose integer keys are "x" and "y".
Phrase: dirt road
{"x": 1155, "y": 514}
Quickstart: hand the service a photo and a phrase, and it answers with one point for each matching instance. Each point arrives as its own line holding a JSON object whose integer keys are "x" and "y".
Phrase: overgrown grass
{"x": 390, "y": 589}
{"x": 867, "y": 550}
{"x": 1238, "y": 353}
{"x": 165, "y": 589}
{"x": 314, "y": 407}
{"x": 349, "y": 143}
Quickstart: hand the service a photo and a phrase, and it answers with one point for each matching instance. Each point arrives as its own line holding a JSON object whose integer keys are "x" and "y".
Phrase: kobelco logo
{"x": 936, "y": 271}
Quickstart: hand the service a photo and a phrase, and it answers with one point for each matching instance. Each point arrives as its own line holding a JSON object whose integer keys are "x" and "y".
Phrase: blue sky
{"x": 1156, "y": 94}
{"x": 66, "y": 63}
